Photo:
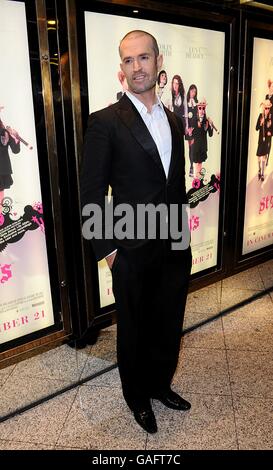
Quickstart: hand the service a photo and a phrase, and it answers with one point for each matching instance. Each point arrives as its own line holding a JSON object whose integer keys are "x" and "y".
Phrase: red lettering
{"x": 37, "y": 315}
{"x": 262, "y": 205}
{"x": 7, "y": 326}
{"x": 198, "y": 260}
{"x": 194, "y": 222}
{"x": 6, "y": 272}
{"x": 266, "y": 203}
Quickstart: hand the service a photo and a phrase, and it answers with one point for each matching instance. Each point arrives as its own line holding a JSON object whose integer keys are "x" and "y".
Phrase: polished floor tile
{"x": 18, "y": 391}
{"x": 209, "y": 336}
{"x": 249, "y": 279}
{"x": 109, "y": 379}
{"x": 17, "y": 445}
{"x": 68, "y": 448}
{"x": 105, "y": 347}
{"x": 225, "y": 370}
{"x": 5, "y": 373}
{"x": 209, "y": 424}
{"x": 203, "y": 371}
{"x": 95, "y": 365}
{"x": 40, "y": 425}
{"x": 231, "y": 297}
{"x": 100, "y": 419}
{"x": 266, "y": 273}
{"x": 254, "y": 417}
{"x": 251, "y": 373}
{"x": 62, "y": 363}
{"x": 250, "y": 327}
{"x": 204, "y": 300}
{"x": 195, "y": 319}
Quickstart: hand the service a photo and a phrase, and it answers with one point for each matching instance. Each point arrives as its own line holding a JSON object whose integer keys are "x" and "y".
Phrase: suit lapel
{"x": 132, "y": 119}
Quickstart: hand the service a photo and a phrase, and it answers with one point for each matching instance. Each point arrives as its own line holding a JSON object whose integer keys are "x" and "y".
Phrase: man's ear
{"x": 159, "y": 61}
{"x": 121, "y": 76}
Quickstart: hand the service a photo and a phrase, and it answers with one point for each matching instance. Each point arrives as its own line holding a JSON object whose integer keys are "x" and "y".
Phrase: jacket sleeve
{"x": 15, "y": 147}
{"x": 95, "y": 177}
{"x": 258, "y": 125}
{"x": 210, "y": 130}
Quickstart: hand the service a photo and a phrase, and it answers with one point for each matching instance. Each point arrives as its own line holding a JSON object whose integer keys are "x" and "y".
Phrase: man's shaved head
{"x": 139, "y": 32}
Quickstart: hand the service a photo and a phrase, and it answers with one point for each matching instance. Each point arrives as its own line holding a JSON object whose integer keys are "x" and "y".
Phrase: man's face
{"x": 271, "y": 89}
{"x": 139, "y": 64}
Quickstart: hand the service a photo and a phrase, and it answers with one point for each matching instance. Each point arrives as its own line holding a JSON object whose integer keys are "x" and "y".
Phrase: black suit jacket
{"x": 119, "y": 151}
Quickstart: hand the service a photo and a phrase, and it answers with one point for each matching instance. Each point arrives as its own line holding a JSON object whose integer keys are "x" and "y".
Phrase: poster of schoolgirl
{"x": 25, "y": 295}
{"x": 258, "y": 222}
{"x": 189, "y": 84}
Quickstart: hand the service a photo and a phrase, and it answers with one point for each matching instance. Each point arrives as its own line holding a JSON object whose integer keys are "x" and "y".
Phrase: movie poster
{"x": 258, "y": 223}
{"x": 190, "y": 84}
{"x": 25, "y": 294}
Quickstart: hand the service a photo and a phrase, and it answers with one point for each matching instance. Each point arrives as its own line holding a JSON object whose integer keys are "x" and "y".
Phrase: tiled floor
{"x": 225, "y": 371}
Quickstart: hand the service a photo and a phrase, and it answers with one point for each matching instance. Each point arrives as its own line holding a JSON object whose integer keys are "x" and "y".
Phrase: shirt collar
{"x": 141, "y": 106}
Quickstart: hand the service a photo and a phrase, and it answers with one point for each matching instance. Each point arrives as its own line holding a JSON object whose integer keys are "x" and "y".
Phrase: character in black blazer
{"x": 192, "y": 101}
{"x": 201, "y": 127}
{"x": 269, "y": 97}
{"x": 264, "y": 126}
{"x": 9, "y": 138}
{"x": 179, "y": 101}
{"x": 136, "y": 147}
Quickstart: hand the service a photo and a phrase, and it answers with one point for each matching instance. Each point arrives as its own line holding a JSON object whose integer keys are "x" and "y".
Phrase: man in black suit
{"x": 136, "y": 147}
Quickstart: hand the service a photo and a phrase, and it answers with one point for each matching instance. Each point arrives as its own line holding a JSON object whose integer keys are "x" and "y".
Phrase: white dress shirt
{"x": 158, "y": 125}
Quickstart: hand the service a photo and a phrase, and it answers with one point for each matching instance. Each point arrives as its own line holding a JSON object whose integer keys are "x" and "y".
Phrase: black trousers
{"x": 150, "y": 285}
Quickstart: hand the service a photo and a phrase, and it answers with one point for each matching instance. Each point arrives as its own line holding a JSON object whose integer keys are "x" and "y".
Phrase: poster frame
{"x": 253, "y": 28}
{"x": 36, "y": 22}
{"x": 226, "y": 21}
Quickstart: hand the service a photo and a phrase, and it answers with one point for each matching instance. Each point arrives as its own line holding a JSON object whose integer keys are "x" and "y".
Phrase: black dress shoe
{"x": 173, "y": 400}
{"x": 146, "y": 419}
